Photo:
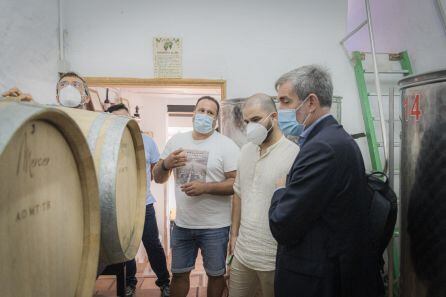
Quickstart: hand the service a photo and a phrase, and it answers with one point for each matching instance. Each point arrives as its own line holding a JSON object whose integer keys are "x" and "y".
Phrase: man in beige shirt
{"x": 265, "y": 159}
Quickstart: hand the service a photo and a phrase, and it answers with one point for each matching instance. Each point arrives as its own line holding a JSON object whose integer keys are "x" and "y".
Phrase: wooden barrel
{"x": 49, "y": 207}
{"x": 117, "y": 146}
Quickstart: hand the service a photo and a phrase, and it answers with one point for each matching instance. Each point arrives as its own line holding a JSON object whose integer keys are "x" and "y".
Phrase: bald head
{"x": 258, "y": 107}
{"x": 262, "y": 102}
{"x": 261, "y": 109}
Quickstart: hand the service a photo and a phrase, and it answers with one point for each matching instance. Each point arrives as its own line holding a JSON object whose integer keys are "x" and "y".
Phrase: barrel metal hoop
{"x": 107, "y": 184}
{"x": 94, "y": 131}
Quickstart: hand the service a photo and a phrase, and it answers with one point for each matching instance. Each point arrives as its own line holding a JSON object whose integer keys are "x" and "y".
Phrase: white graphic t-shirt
{"x": 195, "y": 169}
{"x": 207, "y": 160}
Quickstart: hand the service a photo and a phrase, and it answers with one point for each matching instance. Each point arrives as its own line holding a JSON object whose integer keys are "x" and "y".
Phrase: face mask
{"x": 288, "y": 122}
{"x": 257, "y": 133}
{"x": 203, "y": 123}
{"x": 69, "y": 96}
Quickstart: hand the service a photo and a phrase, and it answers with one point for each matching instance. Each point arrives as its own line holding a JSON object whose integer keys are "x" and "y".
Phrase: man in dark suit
{"x": 319, "y": 217}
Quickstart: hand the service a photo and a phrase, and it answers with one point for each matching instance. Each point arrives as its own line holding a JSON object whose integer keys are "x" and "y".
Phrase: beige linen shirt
{"x": 255, "y": 184}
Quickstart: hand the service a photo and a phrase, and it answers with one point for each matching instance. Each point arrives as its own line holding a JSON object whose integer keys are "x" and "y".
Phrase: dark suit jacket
{"x": 319, "y": 220}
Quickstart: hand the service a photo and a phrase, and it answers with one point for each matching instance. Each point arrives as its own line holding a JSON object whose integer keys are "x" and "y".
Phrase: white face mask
{"x": 69, "y": 96}
{"x": 256, "y": 132}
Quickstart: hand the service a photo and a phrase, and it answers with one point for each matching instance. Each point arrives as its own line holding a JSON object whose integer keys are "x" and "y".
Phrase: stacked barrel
{"x": 72, "y": 197}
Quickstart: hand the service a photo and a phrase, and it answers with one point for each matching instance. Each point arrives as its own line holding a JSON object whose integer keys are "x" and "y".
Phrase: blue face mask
{"x": 288, "y": 122}
{"x": 203, "y": 123}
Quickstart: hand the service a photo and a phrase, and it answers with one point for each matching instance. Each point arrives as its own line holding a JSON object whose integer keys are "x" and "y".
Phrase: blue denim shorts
{"x": 213, "y": 244}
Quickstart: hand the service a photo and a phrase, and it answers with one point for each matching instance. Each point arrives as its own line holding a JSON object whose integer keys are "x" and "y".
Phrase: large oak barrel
{"x": 49, "y": 205}
{"x": 117, "y": 146}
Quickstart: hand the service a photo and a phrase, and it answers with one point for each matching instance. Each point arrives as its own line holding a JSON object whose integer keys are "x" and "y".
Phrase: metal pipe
{"x": 347, "y": 54}
{"x": 354, "y": 31}
{"x": 350, "y": 35}
{"x": 390, "y": 247}
{"x": 377, "y": 84}
{"x": 391, "y": 136}
{"x": 61, "y": 39}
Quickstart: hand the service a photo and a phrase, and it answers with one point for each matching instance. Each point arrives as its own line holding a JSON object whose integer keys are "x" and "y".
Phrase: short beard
{"x": 270, "y": 132}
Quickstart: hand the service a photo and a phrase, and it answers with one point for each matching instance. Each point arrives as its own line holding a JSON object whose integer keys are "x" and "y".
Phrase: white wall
{"x": 387, "y": 23}
{"x": 425, "y": 35}
{"x": 411, "y": 25}
{"x": 248, "y": 43}
{"x": 29, "y": 47}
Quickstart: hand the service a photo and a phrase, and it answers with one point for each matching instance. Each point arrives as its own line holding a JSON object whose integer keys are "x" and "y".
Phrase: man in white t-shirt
{"x": 267, "y": 157}
{"x": 204, "y": 164}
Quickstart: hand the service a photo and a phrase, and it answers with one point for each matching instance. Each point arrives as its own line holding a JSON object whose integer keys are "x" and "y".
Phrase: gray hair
{"x": 310, "y": 79}
{"x": 265, "y": 102}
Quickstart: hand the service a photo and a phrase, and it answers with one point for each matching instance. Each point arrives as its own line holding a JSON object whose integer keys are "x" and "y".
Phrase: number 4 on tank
{"x": 415, "y": 111}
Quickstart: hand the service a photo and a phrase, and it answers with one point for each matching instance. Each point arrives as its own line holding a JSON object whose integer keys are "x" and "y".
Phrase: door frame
{"x": 157, "y": 82}
{"x": 123, "y": 82}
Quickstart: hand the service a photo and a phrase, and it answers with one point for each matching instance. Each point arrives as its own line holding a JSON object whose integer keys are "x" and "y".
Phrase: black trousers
{"x": 154, "y": 249}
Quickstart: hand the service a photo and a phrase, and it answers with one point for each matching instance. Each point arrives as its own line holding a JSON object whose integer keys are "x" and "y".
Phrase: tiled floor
{"x": 147, "y": 288}
{"x": 106, "y": 284}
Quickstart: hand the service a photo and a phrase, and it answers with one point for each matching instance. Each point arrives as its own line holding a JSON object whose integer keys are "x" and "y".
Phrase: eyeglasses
{"x": 76, "y": 84}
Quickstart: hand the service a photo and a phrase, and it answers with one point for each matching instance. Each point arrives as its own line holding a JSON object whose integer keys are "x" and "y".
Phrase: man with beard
{"x": 267, "y": 157}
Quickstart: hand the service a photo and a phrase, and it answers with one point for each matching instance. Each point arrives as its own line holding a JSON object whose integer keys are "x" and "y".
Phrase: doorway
{"x": 165, "y": 107}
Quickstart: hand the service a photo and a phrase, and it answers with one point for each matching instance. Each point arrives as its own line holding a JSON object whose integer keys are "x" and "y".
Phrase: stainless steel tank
{"x": 423, "y": 185}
